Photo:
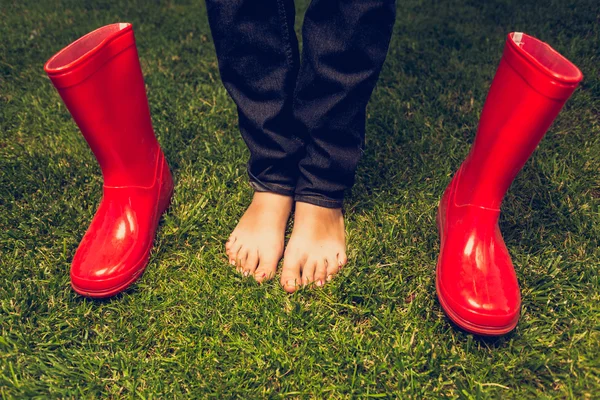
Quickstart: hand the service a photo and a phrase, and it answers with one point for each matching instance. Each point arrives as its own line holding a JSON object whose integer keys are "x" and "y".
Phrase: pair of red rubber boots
{"x": 100, "y": 81}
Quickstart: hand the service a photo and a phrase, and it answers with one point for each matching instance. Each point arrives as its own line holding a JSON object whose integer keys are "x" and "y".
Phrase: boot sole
{"x": 101, "y": 294}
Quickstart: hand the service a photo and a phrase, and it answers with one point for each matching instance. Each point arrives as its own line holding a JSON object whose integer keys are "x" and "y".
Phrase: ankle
{"x": 473, "y": 188}
{"x": 270, "y": 197}
{"x": 318, "y": 214}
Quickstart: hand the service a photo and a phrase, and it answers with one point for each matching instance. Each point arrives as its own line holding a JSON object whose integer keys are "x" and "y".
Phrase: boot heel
{"x": 166, "y": 187}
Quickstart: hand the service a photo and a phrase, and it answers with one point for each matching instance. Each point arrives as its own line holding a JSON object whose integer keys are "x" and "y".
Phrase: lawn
{"x": 193, "y": 327}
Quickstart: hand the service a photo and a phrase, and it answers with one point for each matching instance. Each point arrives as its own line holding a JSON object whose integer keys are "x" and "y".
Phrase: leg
{"x": 258, "y": 59}
{"x": 345, "y": 44}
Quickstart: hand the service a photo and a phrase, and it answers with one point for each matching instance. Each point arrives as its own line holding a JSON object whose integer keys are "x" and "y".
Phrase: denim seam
{"x": 289, "y": 56}
{"x": 273, "y": 184}
{"x": 261, "y": 188}
{"x": 286, "y": 33}
{"x": 319, "y": 198}
{"x": 254, "y": 179}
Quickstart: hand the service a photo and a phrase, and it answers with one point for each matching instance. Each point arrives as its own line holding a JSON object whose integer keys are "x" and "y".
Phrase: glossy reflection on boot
{"x": 100, "y": 81}
{"x": 475, "y": 280}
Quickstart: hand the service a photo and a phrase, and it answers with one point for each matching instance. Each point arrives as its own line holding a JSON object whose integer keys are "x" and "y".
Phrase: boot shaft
{"x": 100, "y": 81}
{"x": 530, "y": 87}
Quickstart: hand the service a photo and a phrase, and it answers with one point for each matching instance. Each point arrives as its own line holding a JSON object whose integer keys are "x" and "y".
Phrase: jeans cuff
{"x": 260, "y": 186}
{"x": 319, "y": 201}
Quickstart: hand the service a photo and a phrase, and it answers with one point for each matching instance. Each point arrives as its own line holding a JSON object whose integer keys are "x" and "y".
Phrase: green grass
{"x": 193, "y": 327}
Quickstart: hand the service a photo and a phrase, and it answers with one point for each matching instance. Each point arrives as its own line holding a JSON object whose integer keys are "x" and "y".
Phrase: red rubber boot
{"x": 100, "y": 80}
{"x": 475, "y": 279}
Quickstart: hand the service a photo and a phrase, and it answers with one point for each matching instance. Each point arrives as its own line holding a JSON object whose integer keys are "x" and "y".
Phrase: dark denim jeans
{"x": 303, "y": 122}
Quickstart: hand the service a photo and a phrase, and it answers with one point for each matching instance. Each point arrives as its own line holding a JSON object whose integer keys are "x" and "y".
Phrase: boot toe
{"x": 101, "y": 285}
{"x": 105, "y": 263}
{"x": 97, "y": 281}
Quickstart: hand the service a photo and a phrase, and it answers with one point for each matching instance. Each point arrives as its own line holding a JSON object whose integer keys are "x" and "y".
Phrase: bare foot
{"x": 317, "y": 248}
{"x": 256, "y": 244}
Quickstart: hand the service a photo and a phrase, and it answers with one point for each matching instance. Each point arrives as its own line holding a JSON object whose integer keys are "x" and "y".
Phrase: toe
{"x": 267, "y": 266}
{"x": 251, "y": 262}
{"x": 320, "y": 273}
{"x": 240, "y": 259}
{"x": 229, "y": 244}
{"x": 332, "y": 267}
{"x": 342, "y": 259}
{"x": 233, "y": 253}
{"x": 290, "y": 274}
{"x": 308, "y": 272}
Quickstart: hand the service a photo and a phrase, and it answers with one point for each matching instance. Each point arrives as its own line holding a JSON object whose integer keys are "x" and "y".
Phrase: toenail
{"x": 290, "y": 283}
{"x": 329, "y": 277}
{"x": 246, "y": 273}
{"x": 232, "y": 262}
{"x": 319, "y": 283}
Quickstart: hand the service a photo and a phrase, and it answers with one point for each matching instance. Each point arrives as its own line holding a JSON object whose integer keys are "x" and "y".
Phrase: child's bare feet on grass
{"x": 317, "y": 248}
{"x": 256, "y": 244}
